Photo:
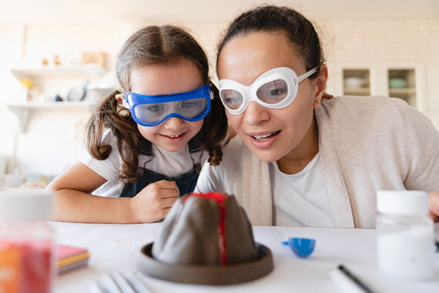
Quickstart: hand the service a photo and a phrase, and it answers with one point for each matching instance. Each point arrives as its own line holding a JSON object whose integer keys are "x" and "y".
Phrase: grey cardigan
{"x": 366, "y": 144}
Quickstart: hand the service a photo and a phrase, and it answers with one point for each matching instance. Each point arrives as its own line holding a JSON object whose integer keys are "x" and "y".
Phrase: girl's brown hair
{"x": 152, "y": 45}
{"x": 269, "y": 18}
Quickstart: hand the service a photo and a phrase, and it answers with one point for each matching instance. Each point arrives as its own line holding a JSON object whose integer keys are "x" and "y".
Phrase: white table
{"x": 117, "y": 247}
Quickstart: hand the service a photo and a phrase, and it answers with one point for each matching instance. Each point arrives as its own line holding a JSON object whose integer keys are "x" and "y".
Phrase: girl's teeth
{"x": 174, "y": 136}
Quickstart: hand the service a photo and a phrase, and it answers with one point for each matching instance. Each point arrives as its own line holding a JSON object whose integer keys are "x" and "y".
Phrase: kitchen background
{"x": 65, "y": 50}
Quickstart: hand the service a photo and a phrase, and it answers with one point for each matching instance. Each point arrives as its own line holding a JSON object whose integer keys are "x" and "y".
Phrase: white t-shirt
{"x": 301, "y": 199}
{"x": 163, "y": 162}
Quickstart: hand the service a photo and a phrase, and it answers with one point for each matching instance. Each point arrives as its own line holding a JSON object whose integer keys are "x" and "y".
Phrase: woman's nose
{"x": 255, "y": 113}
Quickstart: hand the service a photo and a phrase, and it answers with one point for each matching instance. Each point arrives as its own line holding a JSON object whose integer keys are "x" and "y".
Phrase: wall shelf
{"x": 22, "y": 109}
{"x": 407, "y": 91}
{"x": 89, "y": 71}
{"x": 86, "y": 70}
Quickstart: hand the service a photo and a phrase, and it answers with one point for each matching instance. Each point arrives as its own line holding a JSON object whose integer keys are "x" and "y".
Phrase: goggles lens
{"x": 231, "y": 99}
{"x": 153, "y": 110}
{"x": 152, "y": 113}
{"x": 275, "y": 89}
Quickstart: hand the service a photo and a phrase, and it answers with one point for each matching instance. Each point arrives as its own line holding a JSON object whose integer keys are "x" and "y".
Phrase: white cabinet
{"x": 399, "y": 80}
{"x": 402, "y": 84}
{"x": 356, "y": 82}
{"x": 42, "y": 75}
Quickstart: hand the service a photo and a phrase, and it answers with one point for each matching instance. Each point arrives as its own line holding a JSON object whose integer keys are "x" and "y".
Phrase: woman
{"x": 301, "y": 161}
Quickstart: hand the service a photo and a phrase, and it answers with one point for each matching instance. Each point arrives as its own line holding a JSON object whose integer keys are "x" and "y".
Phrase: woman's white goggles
{"x": 275, "y": 89}
{"x": 153, "y": 110}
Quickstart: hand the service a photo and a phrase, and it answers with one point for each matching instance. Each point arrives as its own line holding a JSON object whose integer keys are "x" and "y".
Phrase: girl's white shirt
{"x": 163, "y": 162}
{"x": 301, "y": 199}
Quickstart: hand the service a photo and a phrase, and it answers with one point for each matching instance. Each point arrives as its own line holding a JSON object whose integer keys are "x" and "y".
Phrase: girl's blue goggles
{"x": 153, "y": 110}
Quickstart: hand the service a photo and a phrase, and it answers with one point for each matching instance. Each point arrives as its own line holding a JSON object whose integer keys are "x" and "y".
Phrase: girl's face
{"x": 183, "y": 76}
{"x": 271, "y": 134}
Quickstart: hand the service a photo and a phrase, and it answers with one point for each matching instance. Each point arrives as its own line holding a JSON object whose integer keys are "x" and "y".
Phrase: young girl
{"x": 148, "y": 140}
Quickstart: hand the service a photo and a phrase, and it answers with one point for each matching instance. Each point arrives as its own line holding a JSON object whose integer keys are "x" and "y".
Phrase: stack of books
{"x": 70, "y": 258}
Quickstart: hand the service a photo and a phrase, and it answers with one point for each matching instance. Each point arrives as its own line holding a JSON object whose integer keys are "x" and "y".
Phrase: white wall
{"x": 11, "y": 49}
{"x": 54, "y": 138}
{"x": 397, "y": 41}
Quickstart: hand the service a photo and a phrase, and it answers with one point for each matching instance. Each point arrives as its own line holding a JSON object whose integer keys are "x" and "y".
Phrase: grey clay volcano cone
{"x": 206, "y": 239}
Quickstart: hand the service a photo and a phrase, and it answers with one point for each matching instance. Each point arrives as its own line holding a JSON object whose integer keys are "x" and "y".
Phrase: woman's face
{"x": 270, "y": 134}
{"x": 173, "y": 133}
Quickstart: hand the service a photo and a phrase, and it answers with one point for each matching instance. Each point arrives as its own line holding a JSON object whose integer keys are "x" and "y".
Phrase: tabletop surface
{"x": 115, "y": 247}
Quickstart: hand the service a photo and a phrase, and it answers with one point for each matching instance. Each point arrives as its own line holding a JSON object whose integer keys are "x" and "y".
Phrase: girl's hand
{"x": 154, "y": 201}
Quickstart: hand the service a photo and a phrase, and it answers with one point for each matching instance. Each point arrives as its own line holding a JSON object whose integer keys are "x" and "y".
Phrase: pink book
{"x": 70, "y": 257}
{"x": 65, "y": 251}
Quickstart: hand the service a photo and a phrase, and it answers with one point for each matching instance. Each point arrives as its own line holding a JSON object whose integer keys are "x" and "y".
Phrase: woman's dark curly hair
{"x": 269, "y": 18}
{"x": 152, "y": 45}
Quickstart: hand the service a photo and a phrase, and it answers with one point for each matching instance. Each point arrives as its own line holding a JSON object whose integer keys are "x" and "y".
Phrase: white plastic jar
{"x": 26, "y": 242}
{"x": 405, "y": 234}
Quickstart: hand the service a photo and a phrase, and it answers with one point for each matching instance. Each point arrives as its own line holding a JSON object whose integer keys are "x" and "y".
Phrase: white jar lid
{"x": 25, "y": 205}
{"x": 402, "y": 202}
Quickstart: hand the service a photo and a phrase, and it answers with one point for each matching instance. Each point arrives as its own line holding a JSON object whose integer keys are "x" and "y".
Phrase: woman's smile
{"x": 262, "y": 140}
{"x": 264, "y": 137}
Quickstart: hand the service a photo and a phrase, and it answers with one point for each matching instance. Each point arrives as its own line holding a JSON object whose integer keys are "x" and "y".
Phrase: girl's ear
{"x": 119, "y": 98}
{"x": 320, "y": 85}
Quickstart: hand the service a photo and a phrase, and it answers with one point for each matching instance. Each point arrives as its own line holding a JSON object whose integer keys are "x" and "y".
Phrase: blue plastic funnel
{"x": 302, "y": 247}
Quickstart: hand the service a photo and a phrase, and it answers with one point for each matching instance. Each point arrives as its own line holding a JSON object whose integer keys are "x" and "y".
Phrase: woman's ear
{"x": 320, "y": 85}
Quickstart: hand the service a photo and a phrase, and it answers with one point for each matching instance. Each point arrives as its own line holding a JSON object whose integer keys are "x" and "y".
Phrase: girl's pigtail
{"x": 95, "y": 129}
{"x": 214, "y": 129}
{"x": 109, "y": 115}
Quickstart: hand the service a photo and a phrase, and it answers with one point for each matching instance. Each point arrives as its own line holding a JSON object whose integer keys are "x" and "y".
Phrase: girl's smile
{"x": 174, "y": 139}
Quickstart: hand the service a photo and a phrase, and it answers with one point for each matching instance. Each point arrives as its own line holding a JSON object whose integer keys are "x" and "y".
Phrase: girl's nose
{"x": 255, "y": 113}
{"x": 174, "y": 123}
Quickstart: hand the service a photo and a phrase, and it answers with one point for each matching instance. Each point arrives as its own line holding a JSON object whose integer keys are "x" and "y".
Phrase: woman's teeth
{"x": 265, "y": 137}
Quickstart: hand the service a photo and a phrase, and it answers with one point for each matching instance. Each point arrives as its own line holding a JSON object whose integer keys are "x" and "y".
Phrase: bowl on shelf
{"x": 354, "y": 82}
{"x": 397, "y": 83}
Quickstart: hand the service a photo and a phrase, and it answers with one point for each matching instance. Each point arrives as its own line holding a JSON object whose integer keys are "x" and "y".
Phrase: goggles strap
{"x": 119, "y": 89}
{"x": 298, "y": 79}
